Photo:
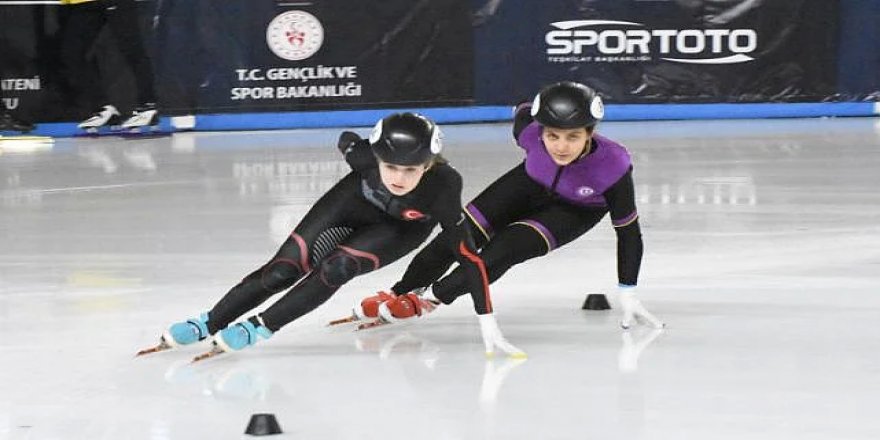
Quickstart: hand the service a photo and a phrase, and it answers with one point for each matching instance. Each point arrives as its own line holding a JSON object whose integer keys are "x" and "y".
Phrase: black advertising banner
{"x": 659, "y": 51}
{"x": 220, "y": 56}
{"x": 24, "y": 46}
{"x": 242, "y": 55}
{"x": 37, "y": 84}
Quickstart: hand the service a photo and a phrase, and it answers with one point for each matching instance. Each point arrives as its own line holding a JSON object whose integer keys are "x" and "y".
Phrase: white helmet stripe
{"x": 536, "y": 105}
{"x": 376, "y": 134}
{"x": 436, "y": 139}
{"x": 597, "y": 108}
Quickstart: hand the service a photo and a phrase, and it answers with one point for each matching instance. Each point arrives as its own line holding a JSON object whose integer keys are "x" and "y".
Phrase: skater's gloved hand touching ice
{"x": 633, "y": 310}
{"x": 493, "y": 338}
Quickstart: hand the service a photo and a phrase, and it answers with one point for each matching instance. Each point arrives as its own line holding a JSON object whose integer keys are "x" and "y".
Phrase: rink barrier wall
{"x": 463, "y": 115}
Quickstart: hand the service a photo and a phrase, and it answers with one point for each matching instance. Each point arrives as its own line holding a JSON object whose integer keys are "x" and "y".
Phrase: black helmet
{"x": 405, "y": 139}
{"x": 567, "y": 104}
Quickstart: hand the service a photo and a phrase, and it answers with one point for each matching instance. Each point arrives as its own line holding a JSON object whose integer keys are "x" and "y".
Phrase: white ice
{"x": 762, "y": 253}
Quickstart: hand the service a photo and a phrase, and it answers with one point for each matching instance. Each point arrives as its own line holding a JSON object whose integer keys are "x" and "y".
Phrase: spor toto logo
{"x": 625, "y": 38}
{"x": 295, "y": 35}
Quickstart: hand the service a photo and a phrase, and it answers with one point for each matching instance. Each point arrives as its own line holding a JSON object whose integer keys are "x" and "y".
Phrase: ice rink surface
{"x": 762, "y": 253}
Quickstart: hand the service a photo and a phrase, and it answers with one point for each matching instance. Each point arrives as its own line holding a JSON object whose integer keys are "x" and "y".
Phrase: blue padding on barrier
{"x": 613, "y": 112}
{"x": 69, "y": 129}
{"x": 54, "y": 129}
{"x": 639, "y": 112}
{"x": 344, "y": 118}
{"x": 453, "y": 115}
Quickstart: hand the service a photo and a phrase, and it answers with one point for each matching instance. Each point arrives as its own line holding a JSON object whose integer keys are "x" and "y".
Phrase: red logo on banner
{"x": 295, "y": 37}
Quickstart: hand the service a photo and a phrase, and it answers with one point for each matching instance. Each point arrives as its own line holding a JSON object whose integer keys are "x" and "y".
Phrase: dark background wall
{"x": 422, "y": 53}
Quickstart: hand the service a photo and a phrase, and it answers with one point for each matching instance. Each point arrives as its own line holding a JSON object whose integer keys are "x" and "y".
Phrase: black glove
{"x": 347, "y": 140}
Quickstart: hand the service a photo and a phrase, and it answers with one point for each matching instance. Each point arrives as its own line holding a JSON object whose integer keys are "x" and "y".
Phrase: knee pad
{"x": 342, "y": 265}
{"x": 280, "y": 274}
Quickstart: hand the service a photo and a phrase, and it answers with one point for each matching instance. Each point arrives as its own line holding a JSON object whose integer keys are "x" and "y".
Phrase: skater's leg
{"x": 323, "y": 227}
{"x": 365, "y": 250}
{"x": 505, "y": 200}
{"x": 510, "y": 246}
{"x": 427, "y": 266}
{"x": 531, "y": 237}
{"x": 288, "y": 265}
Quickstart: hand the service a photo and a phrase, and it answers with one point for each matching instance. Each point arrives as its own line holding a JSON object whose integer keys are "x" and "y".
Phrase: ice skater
{"x": 400, "y": 187}
{"x": 570, "y": 179}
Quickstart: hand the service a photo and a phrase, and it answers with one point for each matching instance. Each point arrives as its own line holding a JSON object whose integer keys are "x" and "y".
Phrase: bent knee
{"x": 280, "y": 275}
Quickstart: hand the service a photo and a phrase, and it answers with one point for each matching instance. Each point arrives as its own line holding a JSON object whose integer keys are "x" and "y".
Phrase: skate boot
{"x": 367, "y": 308}
{"x": 187, "y": 332}
{"x": 106, "y": 116}
{"x": 414, "y": 304}
{"x": 237, "y": 337}
{"x": 181, "y": 333}
{"x": 406, "y": 306}
{"x": 144, "y": 116}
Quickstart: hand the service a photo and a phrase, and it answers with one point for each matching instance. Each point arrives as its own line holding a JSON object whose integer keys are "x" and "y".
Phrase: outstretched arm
{"x": 625, "y": 218}
{"x": 461, "y": 244}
